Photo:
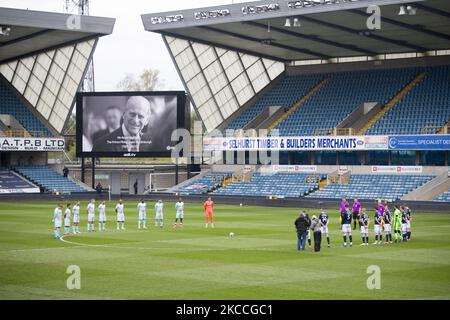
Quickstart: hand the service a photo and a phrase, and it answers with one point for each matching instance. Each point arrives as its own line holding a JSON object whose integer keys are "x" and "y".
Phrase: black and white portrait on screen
{"x": 128, "y": 123}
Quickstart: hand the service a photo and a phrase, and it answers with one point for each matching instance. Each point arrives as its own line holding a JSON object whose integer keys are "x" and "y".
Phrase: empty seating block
{"x": 445, "y": 197}
{"x": 343, "y": 92}
{"x": 283, "y": 185}
{"x": 10, "y": 104}
{"x": 284, "y": 94}
{"x": 12, "y": 183}
{"x": 426, "y": 105}
{"x": 373, "y": 186}
{"x": 49, "y": 179}
{"x": 204, "y": 184}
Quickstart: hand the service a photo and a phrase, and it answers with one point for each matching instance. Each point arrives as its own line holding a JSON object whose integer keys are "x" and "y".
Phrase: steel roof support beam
{"x": 432, "y": 10}
{"x": 371, "y": 36}
{"x": 313, "y": 38}
{"x": 27, "y": 37}
{"x": 406, "y": 25}
{"x": 273, "y": 44}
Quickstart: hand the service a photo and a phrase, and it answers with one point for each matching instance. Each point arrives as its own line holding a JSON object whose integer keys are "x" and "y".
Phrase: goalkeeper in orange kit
{"x": 209, "y": 205}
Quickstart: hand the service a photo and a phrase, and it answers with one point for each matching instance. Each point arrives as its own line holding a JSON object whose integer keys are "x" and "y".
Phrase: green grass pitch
{"x": 260, "y": 262}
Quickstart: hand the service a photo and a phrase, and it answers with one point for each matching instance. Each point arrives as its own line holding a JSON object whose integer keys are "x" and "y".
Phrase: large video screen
{"x": 129, "y": 124}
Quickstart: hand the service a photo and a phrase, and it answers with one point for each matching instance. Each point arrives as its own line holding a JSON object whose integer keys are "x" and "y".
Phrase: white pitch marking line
{"x": 125, "y": 247}
{"x": 99, "y": 245}
{"x": 59, "y": 248}
{"x": 33, "y": 249}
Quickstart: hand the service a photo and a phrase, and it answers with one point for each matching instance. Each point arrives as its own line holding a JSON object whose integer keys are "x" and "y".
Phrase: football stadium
{"x": 305, "y": 157}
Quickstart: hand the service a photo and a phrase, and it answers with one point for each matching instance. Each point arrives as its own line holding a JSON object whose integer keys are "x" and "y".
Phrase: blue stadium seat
{"x": 10, "y": 104}
{"x": 373, "y": 186}
{"x": 282, "y": 185}
{"x": 10, "y": 182}
{"x": 204, "y": 184}
{"x": 426, "y": 105}
{"x": 340, "y": 95}
{"x": 49, "y": 179}
{"x": 445, "y": 197}
{"x": 284, "y": 94}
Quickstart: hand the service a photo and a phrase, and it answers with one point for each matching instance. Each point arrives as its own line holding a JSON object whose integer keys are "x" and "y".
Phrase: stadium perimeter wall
{"x": 310, "y": 203}
{"x": 426, "y": 170}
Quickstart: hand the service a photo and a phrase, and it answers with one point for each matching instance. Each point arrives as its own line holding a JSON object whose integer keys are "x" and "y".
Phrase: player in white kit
{"x": 67, "y": 215}
{"x": 76, "y": 217}
{"x": 91, "y": 216}
{"x": 159, "y": 217}
{"x": 102, "y": 216}
{"x": 120, "y": 211}
{"x": 57, "y": 221}
{"x": 179, "y": 213}
{"x": 142, "y": 214}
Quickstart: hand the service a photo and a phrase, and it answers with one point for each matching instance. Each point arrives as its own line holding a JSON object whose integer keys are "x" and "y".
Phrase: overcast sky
{"x": 129, "y": 49}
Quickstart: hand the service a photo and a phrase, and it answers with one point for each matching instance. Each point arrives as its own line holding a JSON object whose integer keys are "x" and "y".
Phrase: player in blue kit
{"x": 387, "y": 219}
{"x": 346, "y": 225}
{"x": 308, "y": 232}
{"x": 323, "y": 220}
{"x": 377, "y": 221}
{"x": 364, "y": 221}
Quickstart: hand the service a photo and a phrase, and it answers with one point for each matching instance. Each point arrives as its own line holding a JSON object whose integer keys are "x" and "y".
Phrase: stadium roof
{"x": 226, "y": 55}
{"x": 32, "y": 32}
{"x": 44, "y": 57}
{"x": 329, "y": 28}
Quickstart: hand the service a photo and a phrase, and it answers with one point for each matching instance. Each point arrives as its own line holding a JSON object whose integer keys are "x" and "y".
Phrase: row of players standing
{"x": 384, "y": 220}
{"x": 399, "y": 221}
{"x": 74, "y": 213}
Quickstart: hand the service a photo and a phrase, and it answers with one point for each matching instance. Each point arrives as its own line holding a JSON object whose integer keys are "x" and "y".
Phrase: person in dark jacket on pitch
{"x": 317, "y": 232}
{"x": 302, "y": 225}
